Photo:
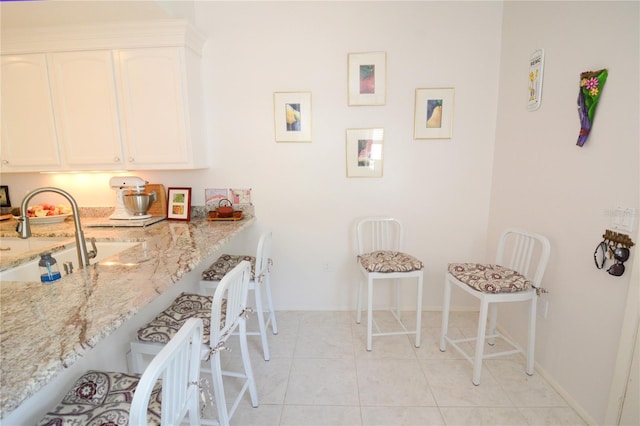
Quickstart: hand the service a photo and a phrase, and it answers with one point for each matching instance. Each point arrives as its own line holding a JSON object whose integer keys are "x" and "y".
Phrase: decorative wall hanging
{"x": 591, "y": 85}
{"x": 364, "y": 152}
{"x": 292, "y": 112}
{"x": 536, "y": 69}
{"x": 367, "y": 78}
{"x": 433, "y": 115}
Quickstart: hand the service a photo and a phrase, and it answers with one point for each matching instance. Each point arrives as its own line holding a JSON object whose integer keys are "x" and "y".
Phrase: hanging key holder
{"x": 615, "y": 246}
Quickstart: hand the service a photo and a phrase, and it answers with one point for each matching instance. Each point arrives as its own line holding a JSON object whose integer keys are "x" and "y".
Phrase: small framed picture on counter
{"x": 179, "y": 204}
{"x": 4, "y": 196}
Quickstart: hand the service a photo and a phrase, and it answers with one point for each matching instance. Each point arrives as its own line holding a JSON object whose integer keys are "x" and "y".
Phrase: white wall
{"x": 544, "y": 182}
{"x": 439, "y": 188}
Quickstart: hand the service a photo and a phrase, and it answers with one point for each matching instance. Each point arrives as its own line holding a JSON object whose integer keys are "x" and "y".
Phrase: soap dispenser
{"x": 49, "y": 271}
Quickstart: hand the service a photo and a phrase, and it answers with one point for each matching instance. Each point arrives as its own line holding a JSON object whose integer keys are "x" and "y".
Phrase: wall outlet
{"x": 542, "y": 308}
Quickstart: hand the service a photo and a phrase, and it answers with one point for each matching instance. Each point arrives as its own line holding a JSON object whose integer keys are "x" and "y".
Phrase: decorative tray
{"x": 237, "y": 215}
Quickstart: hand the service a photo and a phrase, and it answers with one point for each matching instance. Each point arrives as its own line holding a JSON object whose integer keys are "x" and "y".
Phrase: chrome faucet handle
{"x": 94, "y": 252}
{"x": 23, "y": 227}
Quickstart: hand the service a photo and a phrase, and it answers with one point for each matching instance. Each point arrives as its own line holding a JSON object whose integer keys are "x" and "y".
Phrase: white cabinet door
{"x": 28, "y": 128}
{"x": 86, "y": 110}
{"x": 152, "y": 97}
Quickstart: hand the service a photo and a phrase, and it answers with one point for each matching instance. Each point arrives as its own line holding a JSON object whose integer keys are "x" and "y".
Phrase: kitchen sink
{"x": 17, "y": 246}
{"x": 29, "y": 271}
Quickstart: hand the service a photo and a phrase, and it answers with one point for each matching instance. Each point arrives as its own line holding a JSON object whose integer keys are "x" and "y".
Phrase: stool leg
{"x": 531, "y": 344}
{"x": 261, "y": 325}
{"x": 369, "y": 312}
{"x": 396, "y": 283}
{"x": 272, "y": 312}
{"x": 445, "y": 315}
{"x": 359, "y": 307}
{"x": 218, "y": 390}
{"x": 419, "y": 313}
{"x": 246, "y": 361}
{"x": 482, "y": 330}
{"x": 493, "y": 320}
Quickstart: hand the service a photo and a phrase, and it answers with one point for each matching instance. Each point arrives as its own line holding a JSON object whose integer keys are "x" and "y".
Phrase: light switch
{"x": 623, "y": 219}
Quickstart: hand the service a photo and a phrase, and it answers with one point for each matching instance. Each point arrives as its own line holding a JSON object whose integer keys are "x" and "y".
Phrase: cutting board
{"x": 159, "y": 207}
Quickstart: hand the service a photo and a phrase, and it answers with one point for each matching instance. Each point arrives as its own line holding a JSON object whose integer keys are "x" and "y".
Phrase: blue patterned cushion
{"x": 225, "y": 263}
{"x": 102, "y": 398}
{"x": 188, "y": 305}
{"x": 489, "y": 278}
{"x": 389, "y": 261}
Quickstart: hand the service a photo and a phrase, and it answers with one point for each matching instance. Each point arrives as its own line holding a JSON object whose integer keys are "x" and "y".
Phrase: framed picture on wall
{"x": 367, "y": 78}
{"x": 433, "y": 116}
{"x": 536, "y": 69}
{"x": 179, "y": 201}
{"x": 364, "y": 152}
{"x": 292, "y": 112}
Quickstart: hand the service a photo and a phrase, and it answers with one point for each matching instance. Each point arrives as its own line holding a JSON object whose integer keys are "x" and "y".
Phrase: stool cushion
{"x": 488, "y": 278}
{"x": 218, "y": 269}
{"x": 188, "y": 305}
{"x": 389, "y": 261}
{"x": 102, "y": 398}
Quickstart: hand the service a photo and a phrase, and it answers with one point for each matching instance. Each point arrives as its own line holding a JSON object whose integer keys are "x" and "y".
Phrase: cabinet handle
{"x": 116, "y": 159}
{"x": 5, "y": 162}
{"x": 132, "y": 160}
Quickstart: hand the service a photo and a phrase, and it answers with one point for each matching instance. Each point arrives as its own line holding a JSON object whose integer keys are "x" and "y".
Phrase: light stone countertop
{"x": 46, "y": 328}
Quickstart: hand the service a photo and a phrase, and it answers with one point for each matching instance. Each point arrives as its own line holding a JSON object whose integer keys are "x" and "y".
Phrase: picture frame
{"x": 4, "y": 196}
{"x": 292, "y": 115}
{"x": 536, "y": 70}
{"x": 367, "y": 78}
{"x": 364, "y": 152}
{"x": 179, "y": 204}
{"x": 433, "y": 115}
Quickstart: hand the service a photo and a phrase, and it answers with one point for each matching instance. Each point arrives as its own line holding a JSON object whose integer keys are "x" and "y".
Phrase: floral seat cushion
{"x": 188, "y": 305}
{"x": 102, "y": 398}
{"x": 225, "y": 263}
{"x": 488, "y": 278}
{"x": 389, "y": 261}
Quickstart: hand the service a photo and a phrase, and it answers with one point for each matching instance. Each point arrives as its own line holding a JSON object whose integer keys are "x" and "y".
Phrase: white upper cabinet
{"x": 154, "y": 107}
{"x": 103, "y": 98}
{"x": 29, "y": 140}
{"x": 85, "y": 104}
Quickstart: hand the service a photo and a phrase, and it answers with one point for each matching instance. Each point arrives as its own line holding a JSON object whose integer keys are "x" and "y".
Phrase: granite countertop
{"x": 84, "y": 307}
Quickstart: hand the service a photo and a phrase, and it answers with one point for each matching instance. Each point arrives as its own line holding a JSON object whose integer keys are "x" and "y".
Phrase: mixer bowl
{"x": 138, "y": 203}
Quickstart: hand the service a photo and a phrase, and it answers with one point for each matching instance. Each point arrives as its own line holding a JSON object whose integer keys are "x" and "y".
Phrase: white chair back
{"x": 263, "y": 256}
{"x": 234, "y": 287}
{"x": 178, "y": 365}
{"x": 525, "y": 252}
{"x": 379, "y": 233}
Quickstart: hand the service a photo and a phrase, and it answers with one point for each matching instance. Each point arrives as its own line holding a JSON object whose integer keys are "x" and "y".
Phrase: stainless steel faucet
{"x": 24, "y": 229}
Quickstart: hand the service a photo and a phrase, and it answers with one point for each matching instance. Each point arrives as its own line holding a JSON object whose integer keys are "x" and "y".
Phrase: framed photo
{"x": 213, "y": 196}
{"x": 179, "y": 200}
{"x": 433, "y": 117}
{"x": 364, "y": 152}
{"x": 536, "y": 68}
{"x": 4, "y": 196}
{"x": 367, "y": 75}
{"x": 292, "y": 112}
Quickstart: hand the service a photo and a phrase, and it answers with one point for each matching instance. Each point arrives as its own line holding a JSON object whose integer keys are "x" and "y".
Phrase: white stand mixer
{"x": 122, "y": 185}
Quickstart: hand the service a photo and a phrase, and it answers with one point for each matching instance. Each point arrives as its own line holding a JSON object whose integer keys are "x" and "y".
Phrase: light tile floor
{"x": 321, "y": 374}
